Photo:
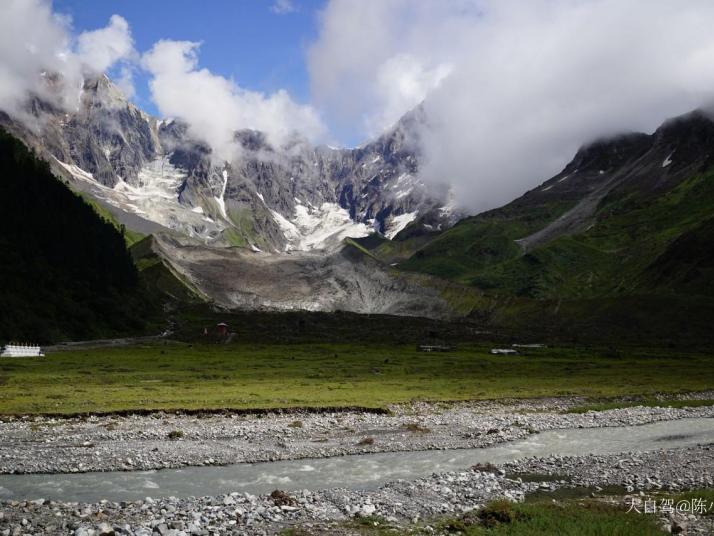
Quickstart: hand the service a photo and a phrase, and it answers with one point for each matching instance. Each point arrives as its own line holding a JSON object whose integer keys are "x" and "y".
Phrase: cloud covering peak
{"x": 215, "y": 107}
{"x": 511, "y": 89}
{"x": 37, "y": 45}
{"x": 40, "y": 55}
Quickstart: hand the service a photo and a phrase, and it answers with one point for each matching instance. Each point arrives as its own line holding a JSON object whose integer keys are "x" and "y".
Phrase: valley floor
{"x": 169, "y": 440}
{"x": 421, "y": 506}
{"x": 250, "y": 376}
{"x": 554, "y": 388}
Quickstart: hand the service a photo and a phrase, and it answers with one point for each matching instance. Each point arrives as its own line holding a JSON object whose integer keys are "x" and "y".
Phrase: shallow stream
{"x": 362, "y": 471}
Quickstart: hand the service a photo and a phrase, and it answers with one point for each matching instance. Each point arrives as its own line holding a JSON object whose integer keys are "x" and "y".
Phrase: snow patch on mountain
{"x": 289, "y": 229}
{"x": 154, "y": 198}
{"x": 403, "y": 193}
{"x": 77, "y": 172}
{"x": 221, "y": 200}
{"x": 398, "y": 223}
{"x": 318, "y": 228}
{"x": 314, "y": 196}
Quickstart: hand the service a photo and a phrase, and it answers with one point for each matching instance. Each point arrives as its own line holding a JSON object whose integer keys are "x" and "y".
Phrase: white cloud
{"x": 33, "y": 41}
{"x": 510, "y": 88}
{"x": 37, "y": 55}
{"x": 283, "y": 7}
{"x": 125, "y": 81}
{"x": 402, "y": 82}
{"x": 355, "y": 39}
{"x": 100, "y": 49}
{"x": 528, "y": 82}
{"x": 216, "y": 107}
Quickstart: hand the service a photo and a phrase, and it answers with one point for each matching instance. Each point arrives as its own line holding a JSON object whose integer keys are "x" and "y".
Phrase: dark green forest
{"x": 65, "y": 272}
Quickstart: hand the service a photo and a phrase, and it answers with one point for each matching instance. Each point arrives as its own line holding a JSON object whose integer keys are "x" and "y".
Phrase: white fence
{"x": 21, "y": 350}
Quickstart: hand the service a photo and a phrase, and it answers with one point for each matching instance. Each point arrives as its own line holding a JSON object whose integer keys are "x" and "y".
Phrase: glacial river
{"x": 362, "y": 471}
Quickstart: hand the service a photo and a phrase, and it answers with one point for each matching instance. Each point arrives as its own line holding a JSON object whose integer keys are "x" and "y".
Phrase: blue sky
{"x": 243, "y": 39}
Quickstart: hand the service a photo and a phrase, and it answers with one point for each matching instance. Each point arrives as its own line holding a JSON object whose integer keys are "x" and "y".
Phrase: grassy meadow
{"x": 504, "y": 518}
{"x": 239, "y": 376}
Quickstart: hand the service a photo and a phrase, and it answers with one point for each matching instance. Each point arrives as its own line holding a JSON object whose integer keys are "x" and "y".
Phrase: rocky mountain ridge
{"x": 629, "y": 216}
{"x": 151, "y": 173}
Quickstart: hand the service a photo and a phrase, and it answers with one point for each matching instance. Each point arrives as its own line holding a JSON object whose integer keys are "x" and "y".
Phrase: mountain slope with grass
{"x": 620, "y": 239}
{"x": 65, "y": 271}
{"x": 627, "y": 215}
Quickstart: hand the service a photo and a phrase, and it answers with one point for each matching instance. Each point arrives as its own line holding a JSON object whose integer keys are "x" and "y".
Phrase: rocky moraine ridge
{"x": 133, "y": 442}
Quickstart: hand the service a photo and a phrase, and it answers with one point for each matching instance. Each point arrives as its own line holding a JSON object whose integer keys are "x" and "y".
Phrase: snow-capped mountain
{"x": 154, "y": 176}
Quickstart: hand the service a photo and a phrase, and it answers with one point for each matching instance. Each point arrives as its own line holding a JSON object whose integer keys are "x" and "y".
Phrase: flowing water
{"x": 361, "y": 471}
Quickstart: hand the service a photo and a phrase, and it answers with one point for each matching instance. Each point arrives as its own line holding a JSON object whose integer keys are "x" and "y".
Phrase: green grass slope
{"x": 130, "y": 236}
{"x": 636, "y": 244}
{"x": 641, "y": 262}
{"x": 477, "y": 243}
{"x": 161, "y": 283}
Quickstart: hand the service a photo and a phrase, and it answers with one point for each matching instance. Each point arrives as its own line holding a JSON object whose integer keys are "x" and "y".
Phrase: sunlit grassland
{"x": 240, "y": 376}
{"x": 502, "y": 518}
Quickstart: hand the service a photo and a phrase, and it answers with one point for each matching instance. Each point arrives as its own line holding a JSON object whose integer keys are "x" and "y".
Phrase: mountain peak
{"x": 102, "y": 91}
{"x": 160, "y": 174}
{"x": 608, "y": 153}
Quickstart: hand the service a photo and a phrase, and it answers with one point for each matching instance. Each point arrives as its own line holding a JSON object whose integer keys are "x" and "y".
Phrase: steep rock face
{"x": 288, "y": 208}
{"x": 107, "y": 137}
{"x": 378, "y": 181}
{"x": 265, "y": 189}
{"x": 294, "y": 197}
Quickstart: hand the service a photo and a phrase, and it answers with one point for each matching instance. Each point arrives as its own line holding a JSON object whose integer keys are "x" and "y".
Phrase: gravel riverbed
{"x": 160, "y": 440}
{"x": 44, "y": 445}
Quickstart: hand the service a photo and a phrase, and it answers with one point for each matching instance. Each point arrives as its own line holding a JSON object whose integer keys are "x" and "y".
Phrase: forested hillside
{"x": 65, "y": 272}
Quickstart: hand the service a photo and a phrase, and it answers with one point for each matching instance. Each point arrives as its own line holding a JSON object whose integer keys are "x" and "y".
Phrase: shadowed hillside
{"x": 65, "y": 272}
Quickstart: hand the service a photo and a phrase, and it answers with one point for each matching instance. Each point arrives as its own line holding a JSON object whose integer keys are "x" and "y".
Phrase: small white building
{"x": 22, "y": 350}
{"x": 504, "y": 351}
